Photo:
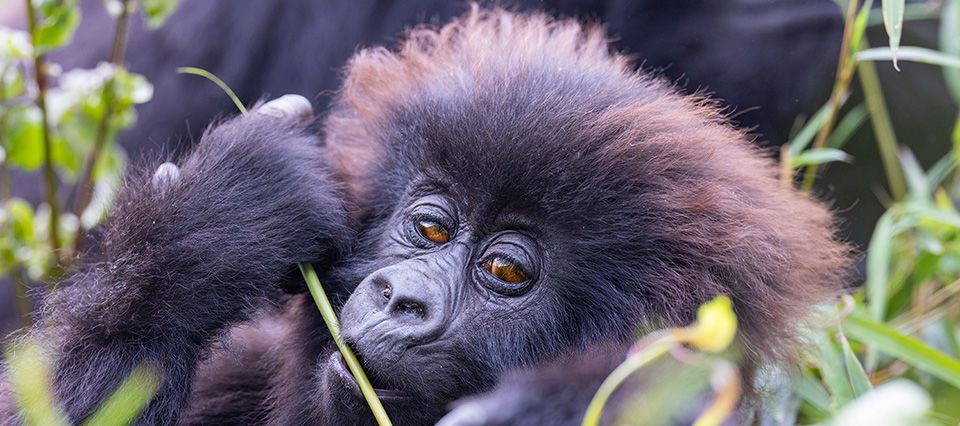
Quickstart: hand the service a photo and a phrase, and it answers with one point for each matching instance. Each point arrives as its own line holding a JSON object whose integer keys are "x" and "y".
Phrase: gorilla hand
{"x": 190, "y": 250}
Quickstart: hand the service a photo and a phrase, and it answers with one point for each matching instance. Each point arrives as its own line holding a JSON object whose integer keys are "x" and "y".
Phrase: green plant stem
{"x": 330, "y": 317}
{"x": 845, "y": 67}
{"x": 85, "y": 181}
{"x": 622, "y": 372}
{"x": 50, "y": 179}
{"x": 216, "y": 80}
{"x": 20, "y": 293}
{"x": 882, "y": 127}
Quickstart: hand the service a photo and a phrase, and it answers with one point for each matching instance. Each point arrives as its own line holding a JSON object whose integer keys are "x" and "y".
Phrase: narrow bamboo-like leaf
{"x": 950, "y": 44}
{"x": 847, "y": 127}
{"x": 919, "y": 11}
{"x": 807, "y": 132}
{"x": 940, "y": 170}
{"x": 882, "y": 126}
{"x": 126, "y": 403}
{"x": 878, "y": 259}
{"x": 893, "y": 22}
{"x": 829, "y": 360}
{"x": 910, "y": 53}
{"x": 916, "y": 179}
{"x": 330, "y": 318}
{"x": 812, "y": 391}
{"x": 908, "y": 349}
{"x": 859, "y": 381}
{"x": 860, "y": 26}
{"x": 820, "y": 156}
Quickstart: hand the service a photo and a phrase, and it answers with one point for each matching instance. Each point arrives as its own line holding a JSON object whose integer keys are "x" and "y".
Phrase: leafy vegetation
{"x": 887, "y": 353}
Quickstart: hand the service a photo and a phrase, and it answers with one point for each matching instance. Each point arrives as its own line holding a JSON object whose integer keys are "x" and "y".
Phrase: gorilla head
{"x": 525, "y": 192}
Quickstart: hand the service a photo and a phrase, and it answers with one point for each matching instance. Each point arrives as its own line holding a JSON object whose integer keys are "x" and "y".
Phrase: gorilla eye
{"x": 505, "y": 270}
{"x": 509, "y": 264}
{"x": 433, "y": 231}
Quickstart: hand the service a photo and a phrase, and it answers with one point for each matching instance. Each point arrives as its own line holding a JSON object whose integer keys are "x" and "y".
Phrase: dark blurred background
{"x": 770, "y": 62}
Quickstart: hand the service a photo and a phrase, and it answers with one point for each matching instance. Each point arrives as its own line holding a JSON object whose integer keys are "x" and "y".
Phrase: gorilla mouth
{"x": 384, "y": 391}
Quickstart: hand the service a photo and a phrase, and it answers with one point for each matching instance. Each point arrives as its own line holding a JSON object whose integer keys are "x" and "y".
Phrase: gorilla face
{"x": 446, "y": 291}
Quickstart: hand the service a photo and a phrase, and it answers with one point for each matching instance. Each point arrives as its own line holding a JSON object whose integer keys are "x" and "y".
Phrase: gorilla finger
{"x": 167, "y": 175}
{"x": 288, "y": 107}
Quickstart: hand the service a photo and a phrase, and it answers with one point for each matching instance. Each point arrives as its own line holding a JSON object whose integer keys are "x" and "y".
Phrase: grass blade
{"x": 910, "y": 53}
{"x": 803, "y": 138}
{"x": 820, "y": 156}
{"x": 859, "y": 381}
{"x": 216, "y": 80}
{"x": 847, "y": 127}
{"x": 950, "y": 44}
{"x": 908, "y": 349}
{"x": 893, "y": 23}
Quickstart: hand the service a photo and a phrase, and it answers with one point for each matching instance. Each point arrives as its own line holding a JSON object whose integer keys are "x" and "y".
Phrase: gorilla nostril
{"x": 412, "y": 308}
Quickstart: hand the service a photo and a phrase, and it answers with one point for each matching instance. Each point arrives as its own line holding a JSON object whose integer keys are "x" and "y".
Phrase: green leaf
{"x": 878, "y": 264}
{"x": 828, "y": 359}
{"x": 19, "y": 216}
{"x": 57, "y": 21}
{"x": 905, "y": 348}
{"x": 950, "y": 44}
{"x": 29, "y": 378}
{"x": 820, "y": 156}
{"x": 847, "y": 126}
{"x": 129, "y": 399}
{"x": 809, "y": 130}
{"x": 860, "y": 26}
{"x": 916, "y": 178}
{"x": 910, "y": 53}
{"x": 811, "y": 390}
{"x": 893, "y": 22}
{"x": 158, "y": 11}
{"x": 940, "y": 170}
{"x": 24, "y": 137}
{"x": 859, "y": 381}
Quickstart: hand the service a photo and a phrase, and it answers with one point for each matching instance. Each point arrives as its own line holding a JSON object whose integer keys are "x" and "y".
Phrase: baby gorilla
{"x": 503, "y": 200}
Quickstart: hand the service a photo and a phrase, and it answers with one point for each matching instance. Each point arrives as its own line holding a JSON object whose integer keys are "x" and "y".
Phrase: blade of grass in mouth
{"x": 326, "y": 309}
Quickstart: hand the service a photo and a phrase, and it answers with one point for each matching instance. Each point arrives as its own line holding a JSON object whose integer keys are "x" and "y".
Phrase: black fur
{"x": 636, "y": 203}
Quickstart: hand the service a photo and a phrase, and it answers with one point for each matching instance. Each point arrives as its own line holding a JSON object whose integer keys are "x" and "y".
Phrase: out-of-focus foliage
{"x": 85, "y": 109}
{"x": 30, "y": 382}
{"x": 888, "y": 353}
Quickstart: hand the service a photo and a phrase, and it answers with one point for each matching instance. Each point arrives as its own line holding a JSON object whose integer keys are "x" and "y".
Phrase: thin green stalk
{"x": 633, "y": 363}
{"x": 49, "y": 177}
{"x": 845, "y": 66}
{"x": 85, "y": 181}
{"x": 330, "y": 317}
{"x": 20, "y": 293}
{"x": 216, "y": 80}
{"x": 882, "y": 127}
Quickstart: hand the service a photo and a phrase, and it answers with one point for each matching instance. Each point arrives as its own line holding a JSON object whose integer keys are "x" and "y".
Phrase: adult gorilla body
{"x": 493, "y": 195}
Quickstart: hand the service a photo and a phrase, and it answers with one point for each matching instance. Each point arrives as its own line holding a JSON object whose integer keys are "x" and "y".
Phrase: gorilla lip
{"x": 341, "y": 369}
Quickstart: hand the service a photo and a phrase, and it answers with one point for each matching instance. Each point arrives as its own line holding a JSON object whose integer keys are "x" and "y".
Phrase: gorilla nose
{"x": 402, "y": 305}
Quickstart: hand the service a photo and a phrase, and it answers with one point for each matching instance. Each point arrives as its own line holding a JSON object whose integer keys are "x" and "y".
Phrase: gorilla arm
{"x": 189, "y": 251}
